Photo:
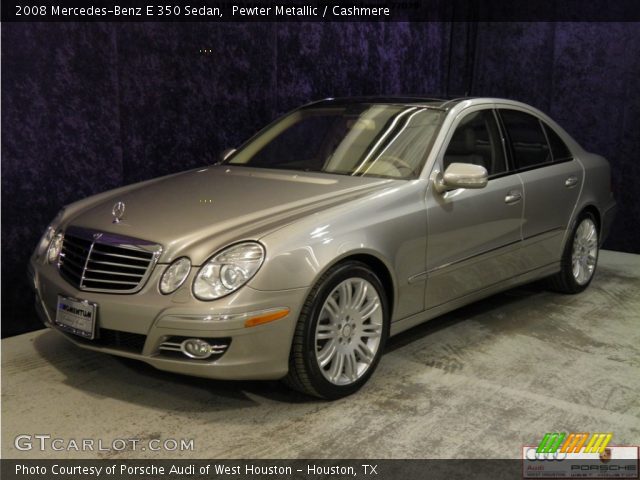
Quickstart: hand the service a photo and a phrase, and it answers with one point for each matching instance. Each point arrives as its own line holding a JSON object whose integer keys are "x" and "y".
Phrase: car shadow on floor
{"x": 132, "y": 381}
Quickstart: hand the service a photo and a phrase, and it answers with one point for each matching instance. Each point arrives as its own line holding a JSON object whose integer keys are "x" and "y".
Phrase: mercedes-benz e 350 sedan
{"x": 340, "y": 224}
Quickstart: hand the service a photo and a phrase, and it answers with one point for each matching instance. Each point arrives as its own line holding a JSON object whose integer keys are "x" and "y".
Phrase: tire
{"x": 341, "y": 332}
{"x": 580, "y": 257}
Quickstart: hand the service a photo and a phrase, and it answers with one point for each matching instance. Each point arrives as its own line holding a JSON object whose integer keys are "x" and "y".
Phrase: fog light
{"x": 196, "y": 348}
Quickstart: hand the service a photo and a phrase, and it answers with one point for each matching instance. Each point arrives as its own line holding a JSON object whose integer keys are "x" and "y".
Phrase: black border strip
{"x": 323, "y": 11}
{"x": 114, "y": 469}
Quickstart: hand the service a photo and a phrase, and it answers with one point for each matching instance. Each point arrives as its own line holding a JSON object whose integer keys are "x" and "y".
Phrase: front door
{"x": 474, "y": 235}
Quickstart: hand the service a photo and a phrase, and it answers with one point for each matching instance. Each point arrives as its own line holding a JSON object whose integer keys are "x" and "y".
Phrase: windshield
{"x": 361, "y": 140}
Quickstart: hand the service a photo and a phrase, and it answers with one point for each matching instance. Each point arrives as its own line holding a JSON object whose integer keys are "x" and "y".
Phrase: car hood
{"x": 199, "y": 211}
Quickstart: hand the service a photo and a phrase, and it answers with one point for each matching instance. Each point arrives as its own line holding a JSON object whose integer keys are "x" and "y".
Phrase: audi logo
{"x": 533, "y": 455}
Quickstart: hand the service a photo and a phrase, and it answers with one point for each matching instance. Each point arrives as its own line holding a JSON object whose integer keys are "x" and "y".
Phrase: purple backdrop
{"x": 88, "y": 107}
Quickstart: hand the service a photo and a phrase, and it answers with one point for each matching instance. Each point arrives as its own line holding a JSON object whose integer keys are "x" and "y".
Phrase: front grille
{"x": 126, "y": 341}
{"x": 104, "y": 262}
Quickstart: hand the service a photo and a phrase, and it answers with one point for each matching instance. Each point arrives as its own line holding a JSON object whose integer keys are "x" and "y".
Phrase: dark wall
{"x": 87, "y": 107}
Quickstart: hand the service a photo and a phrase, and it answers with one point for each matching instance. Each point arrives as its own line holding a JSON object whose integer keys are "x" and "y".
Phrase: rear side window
{"x": 559, "y": 149}
{"x": 528, "y": 141}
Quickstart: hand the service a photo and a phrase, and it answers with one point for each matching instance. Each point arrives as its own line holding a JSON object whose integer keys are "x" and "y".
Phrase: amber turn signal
{"x": 266, "y": 318}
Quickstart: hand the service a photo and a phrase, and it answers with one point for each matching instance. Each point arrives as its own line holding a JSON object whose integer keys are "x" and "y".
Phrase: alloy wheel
{"x": 348, "y": 331}
{"x": 585, "y": 251}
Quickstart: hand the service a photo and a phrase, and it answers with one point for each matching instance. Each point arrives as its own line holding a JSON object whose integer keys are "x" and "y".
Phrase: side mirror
{"x": 461, "y": 175}
{"x": 226, "y": 154}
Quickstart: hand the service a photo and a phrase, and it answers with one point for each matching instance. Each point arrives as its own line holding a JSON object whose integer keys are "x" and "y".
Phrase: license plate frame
{"x": 76, "y": 316}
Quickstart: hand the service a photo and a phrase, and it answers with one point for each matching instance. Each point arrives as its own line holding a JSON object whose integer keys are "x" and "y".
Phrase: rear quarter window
{"x": 559, "y": 149}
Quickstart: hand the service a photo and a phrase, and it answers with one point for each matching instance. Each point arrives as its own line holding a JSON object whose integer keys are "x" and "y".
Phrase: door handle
{"x": 571, "y": 181}
{"x": 512, "y": 197}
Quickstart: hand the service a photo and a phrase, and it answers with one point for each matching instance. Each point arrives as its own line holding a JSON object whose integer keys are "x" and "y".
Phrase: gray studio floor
{"x": 479, "y": 382}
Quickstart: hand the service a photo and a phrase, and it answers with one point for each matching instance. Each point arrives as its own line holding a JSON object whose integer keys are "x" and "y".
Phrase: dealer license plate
{"x": 76, "y": 316}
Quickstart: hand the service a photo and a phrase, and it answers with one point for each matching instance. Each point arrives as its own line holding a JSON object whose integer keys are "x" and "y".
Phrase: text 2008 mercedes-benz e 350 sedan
{"x": 343, "y": 222}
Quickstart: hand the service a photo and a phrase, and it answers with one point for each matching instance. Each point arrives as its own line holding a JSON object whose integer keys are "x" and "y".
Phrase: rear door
{"x": 473, "y": 234}
{"x": 552, "y": 180}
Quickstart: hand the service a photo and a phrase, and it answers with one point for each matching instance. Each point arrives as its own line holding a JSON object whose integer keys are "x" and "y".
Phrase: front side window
{"x": 528, "y": 141}
{"x": 476, "y": 140}
{"x": 359, "y": 140}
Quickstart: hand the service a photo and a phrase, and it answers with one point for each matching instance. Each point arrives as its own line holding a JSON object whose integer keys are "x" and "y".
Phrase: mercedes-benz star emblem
{"x": 118, "y": 212}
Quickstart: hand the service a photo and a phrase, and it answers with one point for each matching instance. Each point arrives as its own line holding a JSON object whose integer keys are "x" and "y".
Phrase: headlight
{"x": 55, "y": 247}
{"x": 175, "y": 275}
{"x": 48, "y": 235}
{"x": 228, "y": 271}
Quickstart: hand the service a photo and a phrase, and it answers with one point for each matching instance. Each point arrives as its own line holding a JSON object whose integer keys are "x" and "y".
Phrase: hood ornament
{"x": 118, "y": 212}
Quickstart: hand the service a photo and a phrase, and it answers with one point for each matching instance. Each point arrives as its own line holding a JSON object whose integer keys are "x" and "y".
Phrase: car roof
{"x": 440, "y": 103}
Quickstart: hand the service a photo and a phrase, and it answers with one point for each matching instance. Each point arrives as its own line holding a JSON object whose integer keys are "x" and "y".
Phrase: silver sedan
{"x": 340, "y": 224}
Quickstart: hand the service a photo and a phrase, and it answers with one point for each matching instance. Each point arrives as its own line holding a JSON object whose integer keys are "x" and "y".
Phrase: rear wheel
{"x": 580, "y": 257}
{"x": 341, "y": 332}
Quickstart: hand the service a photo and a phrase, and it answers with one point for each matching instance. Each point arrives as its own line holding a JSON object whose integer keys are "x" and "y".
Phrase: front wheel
{"x": 341, "y": 332}
{"x": 580, "y": 257}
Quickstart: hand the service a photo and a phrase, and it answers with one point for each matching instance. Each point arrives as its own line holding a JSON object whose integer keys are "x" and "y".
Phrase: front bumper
{"x": 134, "y": 326}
